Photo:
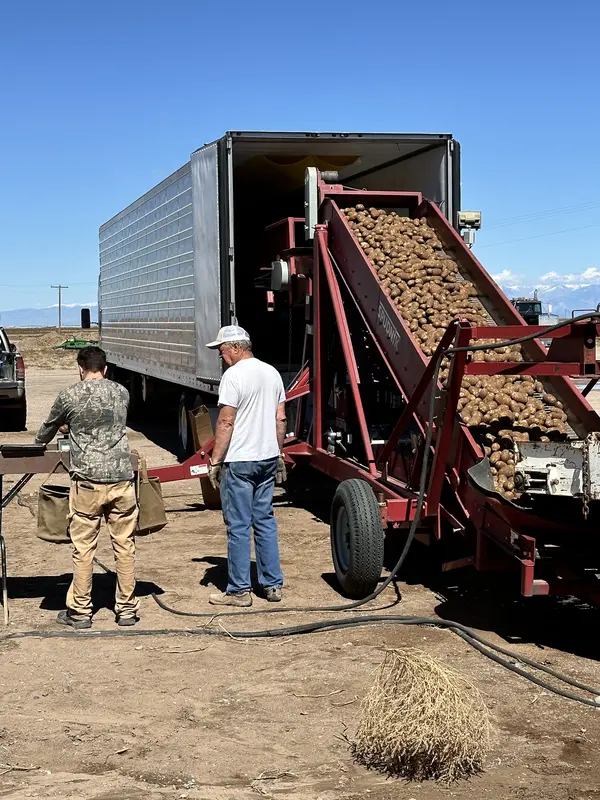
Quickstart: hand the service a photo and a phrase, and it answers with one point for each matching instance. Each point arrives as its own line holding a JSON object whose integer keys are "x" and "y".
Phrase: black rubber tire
{"x": 133, "y": 386}
{"x": 357, "y": 538}
{"x": 184, "y": 429}
{"x": 147, "y": 392}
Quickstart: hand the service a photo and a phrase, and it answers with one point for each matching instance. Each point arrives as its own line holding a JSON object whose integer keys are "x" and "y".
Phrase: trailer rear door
{"x": 207, "y": 280}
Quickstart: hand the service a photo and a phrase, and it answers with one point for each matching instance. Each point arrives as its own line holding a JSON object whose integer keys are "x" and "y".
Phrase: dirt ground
{"x": 38, "y": 346}
{"x": 194, "y": 716}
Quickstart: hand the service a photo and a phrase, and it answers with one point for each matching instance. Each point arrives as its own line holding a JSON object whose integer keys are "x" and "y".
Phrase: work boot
{"x": 126, "y": 621}
{"x": 65, "y": 618}
{"x": 273, "y": 594}
{"x": 240, "y": 600}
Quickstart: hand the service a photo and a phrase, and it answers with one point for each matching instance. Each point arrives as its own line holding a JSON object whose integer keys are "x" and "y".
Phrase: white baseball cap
{"x": 230, "y": 333}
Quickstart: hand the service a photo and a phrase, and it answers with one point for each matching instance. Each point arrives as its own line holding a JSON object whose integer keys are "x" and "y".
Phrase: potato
{"x": 476, "y": 418}
{"x": 422, "y": 278}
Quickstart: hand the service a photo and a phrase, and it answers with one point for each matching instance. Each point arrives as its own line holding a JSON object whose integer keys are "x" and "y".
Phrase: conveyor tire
{"x": 357, "y": 538}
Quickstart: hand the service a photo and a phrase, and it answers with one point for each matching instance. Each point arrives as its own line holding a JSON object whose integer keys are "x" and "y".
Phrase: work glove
{"x": 281, "y": 474}
{"x": 214, "y": 474}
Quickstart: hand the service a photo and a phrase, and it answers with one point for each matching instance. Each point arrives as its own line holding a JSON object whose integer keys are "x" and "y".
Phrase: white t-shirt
{"x": 255, "y": 389}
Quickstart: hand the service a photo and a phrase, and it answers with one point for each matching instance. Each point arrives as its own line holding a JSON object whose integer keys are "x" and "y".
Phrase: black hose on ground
{"x": 470, "y": 637}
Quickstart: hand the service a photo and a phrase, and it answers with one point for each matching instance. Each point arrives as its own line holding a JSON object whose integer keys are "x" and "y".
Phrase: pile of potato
{"x": 423, "y": 280}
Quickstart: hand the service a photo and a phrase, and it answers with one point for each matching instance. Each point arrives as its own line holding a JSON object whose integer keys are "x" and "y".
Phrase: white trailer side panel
{"x": 150, "y": 257}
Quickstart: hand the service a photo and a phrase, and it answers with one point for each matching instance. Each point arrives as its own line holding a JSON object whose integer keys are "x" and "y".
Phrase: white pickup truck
{"x": 13, "y": 402}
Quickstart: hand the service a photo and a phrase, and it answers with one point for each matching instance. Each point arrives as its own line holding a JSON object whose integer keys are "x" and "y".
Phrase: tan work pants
{"x": 88, "y": 503}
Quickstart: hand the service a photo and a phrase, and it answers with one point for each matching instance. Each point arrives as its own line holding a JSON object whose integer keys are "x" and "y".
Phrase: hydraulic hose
{"x": 470, "y": 637}
{"x": 489, "y": 649}
{"x": 522, "y": 339}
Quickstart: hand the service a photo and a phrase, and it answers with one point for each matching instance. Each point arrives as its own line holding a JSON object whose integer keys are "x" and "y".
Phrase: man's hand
{"x": 281, "y": 475}
{"x": 214, "y": 474}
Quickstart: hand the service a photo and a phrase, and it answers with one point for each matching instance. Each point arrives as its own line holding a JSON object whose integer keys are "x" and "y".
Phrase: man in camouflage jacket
{"x": 95, "y": 411}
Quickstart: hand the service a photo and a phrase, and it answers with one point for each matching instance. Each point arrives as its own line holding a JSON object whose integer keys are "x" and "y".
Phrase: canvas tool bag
{"x": 152, "y": 516}
{"x": 53, "y": 511}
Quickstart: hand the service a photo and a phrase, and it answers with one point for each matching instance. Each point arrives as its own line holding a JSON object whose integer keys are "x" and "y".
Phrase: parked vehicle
{"x": 532, "y": 310}
{"x": 13, "y": 402}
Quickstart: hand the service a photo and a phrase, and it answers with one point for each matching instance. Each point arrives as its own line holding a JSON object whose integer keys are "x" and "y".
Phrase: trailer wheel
{"x": 133, "y": 386}
{"x": 145, "y": 389}
{"x": 356, "y": 538}
{"x": 184, "y": 432}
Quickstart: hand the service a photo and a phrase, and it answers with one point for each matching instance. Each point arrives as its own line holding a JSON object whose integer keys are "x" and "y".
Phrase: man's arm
{"x": 281, "y": 423}
{"x": 223, "y": 431}
{"x": 56, "y": 418}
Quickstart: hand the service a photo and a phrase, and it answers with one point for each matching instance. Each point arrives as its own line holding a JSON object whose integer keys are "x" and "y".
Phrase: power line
{"x": 37, "y": 285}
{"x": 540, "y": 235}
{"x": 552, "y": 212}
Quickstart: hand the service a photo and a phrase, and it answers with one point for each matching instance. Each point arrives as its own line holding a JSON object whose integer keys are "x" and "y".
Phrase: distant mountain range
{"x": 46, "y": 317}
{"x": 564, "y": 293}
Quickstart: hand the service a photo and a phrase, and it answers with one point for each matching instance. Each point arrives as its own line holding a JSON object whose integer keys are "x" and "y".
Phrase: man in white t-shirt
{"x": 245, "y": 463}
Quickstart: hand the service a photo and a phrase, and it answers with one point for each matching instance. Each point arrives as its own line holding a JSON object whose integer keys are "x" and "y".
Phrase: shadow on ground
{"x": 216, "y": 574}
{"x": 492, "y": 602}
{"x": 52, "y": 590}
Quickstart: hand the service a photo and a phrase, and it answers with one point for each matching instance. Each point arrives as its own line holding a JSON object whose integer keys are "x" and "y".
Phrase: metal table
{"x": 26, "y": 460}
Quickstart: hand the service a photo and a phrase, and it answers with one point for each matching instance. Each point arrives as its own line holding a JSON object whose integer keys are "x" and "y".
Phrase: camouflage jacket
{"x": 96, "y": 413}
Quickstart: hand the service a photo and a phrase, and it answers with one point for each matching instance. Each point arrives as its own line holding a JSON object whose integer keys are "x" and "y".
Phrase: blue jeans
{"x": 247, "y": 499}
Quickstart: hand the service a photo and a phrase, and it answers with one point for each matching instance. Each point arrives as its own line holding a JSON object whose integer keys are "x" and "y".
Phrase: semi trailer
{"x": 184, "y": 258}
{"x": 411, "y": 379}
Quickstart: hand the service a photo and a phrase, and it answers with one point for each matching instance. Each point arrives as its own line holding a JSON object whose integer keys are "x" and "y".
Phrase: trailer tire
{"x": 356, "y": 538}
{"x": 131, "y": 381}
{"x": 146, "y": 391}
{"x": 184, "y": 429}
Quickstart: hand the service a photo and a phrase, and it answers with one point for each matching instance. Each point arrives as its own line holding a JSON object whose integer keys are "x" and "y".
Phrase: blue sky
{"x": 99, "y": 101}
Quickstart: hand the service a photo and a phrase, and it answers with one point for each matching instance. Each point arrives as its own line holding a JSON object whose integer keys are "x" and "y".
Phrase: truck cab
{"x": 530, "y": 310}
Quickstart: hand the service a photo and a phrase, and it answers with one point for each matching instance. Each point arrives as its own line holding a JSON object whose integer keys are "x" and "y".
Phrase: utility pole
{"x": 60, "y": 287}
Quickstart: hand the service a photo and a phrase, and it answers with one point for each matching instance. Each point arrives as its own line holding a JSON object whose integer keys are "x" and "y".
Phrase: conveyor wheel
{"x": 356, "y": 538}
